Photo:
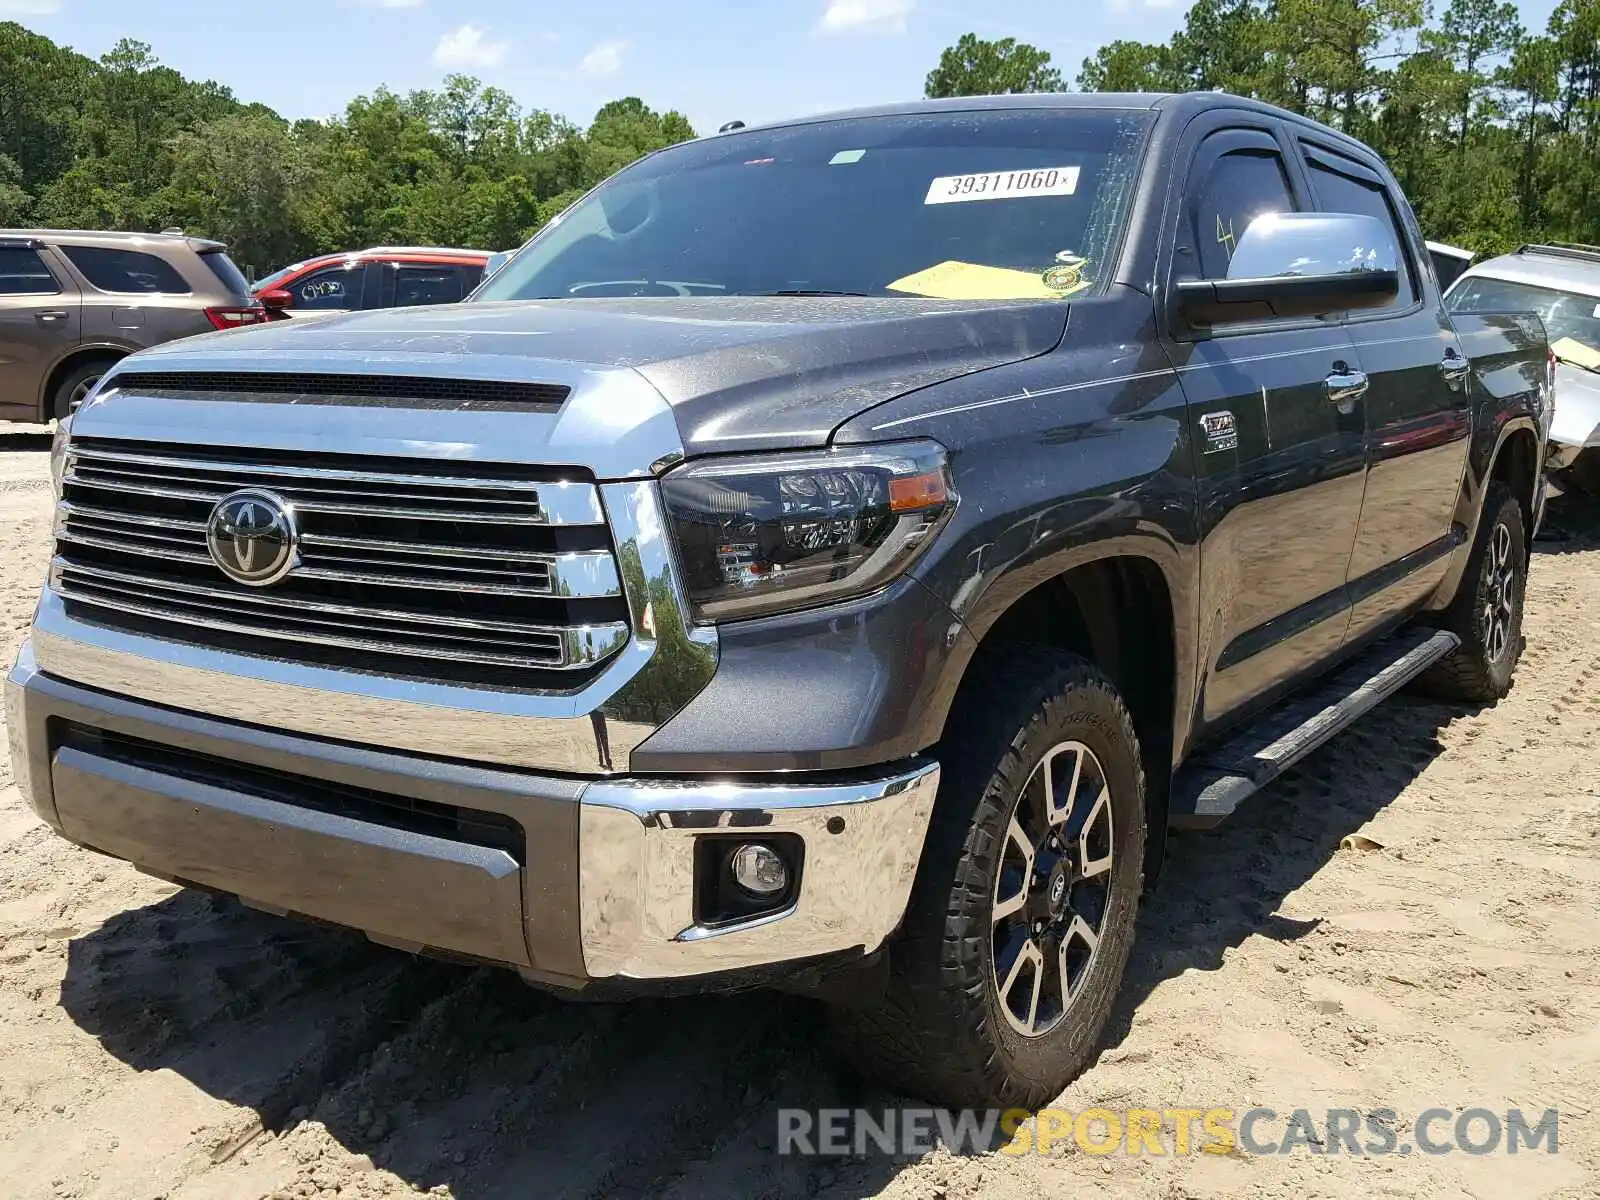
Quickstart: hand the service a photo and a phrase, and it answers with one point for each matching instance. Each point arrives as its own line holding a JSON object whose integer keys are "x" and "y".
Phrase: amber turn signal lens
{"x": 911, "y": 492}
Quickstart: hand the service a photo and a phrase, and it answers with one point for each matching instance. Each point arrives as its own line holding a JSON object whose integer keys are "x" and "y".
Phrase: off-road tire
{"x": 1474, "y": 673}
{"x": 937, "y": 1032}
{"x": 73, "y": 387}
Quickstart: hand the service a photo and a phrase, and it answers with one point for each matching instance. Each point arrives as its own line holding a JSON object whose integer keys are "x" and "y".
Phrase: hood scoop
{"x": 384, "y": 391}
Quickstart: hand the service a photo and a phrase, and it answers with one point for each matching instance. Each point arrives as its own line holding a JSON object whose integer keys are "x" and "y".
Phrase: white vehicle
{"x": 1449, "y": 262}
{"x": 1562, "y": 284}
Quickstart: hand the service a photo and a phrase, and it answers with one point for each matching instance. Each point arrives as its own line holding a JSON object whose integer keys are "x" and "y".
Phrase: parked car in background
{"x": 1449, "y": 261}
{"x": 497, "y": 260}
{"x": 1562, "y": 284}
{"x": 74, "y": 302}
{"x": 380, "y": 277}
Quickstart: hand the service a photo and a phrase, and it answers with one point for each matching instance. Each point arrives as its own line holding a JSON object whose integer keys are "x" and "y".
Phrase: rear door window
{"x": 126, "y": 271}
{"x": 418, "y": 284}
{"x": 23, "y": 273}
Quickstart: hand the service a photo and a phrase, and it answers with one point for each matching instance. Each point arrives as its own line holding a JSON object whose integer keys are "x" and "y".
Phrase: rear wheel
{"x": 1487, "y": 612}
{"x": 74, "y": 389}
{"x": 1021, "y": 919}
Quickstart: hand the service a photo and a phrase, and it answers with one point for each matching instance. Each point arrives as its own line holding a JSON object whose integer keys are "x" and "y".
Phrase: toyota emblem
{"x": 252, "y": 537}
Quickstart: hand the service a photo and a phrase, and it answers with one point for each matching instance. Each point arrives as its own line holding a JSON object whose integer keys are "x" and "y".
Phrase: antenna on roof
{"x": 731, "y": 126}
{"x": 172, "y": 231}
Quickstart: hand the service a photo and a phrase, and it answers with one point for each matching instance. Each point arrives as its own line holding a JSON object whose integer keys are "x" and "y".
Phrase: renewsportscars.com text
{"x": 1162, "y": 1131}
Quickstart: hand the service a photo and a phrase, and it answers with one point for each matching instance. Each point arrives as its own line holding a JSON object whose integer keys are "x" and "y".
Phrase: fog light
{"x": 759, "y": 870}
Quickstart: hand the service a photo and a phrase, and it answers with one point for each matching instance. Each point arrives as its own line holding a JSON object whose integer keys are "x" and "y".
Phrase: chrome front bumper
{"x": 636, "y": 854}
{"x": 603, "y": 889}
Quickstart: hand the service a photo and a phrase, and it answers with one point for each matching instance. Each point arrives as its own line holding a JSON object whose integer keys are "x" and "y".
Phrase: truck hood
{"x": 739, "y": 373}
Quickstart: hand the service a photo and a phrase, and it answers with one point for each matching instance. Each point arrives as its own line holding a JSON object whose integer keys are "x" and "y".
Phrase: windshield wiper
{"x": 811, "y": 292}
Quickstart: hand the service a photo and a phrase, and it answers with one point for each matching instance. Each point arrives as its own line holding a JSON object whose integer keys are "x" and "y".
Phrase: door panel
{"x": 40, "y": 320}
{"x": 1279, "y": 511}
{"x": 1279, "y": 450}
{"x": 1418, "y": 425}
{"x": 1418, "y": 412}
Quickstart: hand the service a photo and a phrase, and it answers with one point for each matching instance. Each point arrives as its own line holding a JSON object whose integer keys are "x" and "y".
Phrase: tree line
{"x": 123, "y": 142}
{"x": 1492, "y": 129}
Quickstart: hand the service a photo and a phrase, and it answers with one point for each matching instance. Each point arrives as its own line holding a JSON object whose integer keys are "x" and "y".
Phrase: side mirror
{"x": 275, "y": 298}
{"x": 1299, "y": 265}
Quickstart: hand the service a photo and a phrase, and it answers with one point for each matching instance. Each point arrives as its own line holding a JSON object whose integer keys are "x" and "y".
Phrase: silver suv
{"x": 74, "y": 302}
{"x": 1562, "y": 284}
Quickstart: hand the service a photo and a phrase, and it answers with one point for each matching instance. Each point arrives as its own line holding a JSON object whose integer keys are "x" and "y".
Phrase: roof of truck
{"x": 1180, "y": 103}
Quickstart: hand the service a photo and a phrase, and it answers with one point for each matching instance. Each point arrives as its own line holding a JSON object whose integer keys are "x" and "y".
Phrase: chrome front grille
{"x": 470, "y": 573}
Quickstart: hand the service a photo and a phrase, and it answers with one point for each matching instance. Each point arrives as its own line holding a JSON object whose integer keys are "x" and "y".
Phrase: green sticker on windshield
{"x": 1063, "y": 276}
{"x": 847, "y": 156}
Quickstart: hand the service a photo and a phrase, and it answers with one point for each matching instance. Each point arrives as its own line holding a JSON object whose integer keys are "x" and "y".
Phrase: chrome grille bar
{"x": 555, "y": 503}
{"x": 269, "y": 600}
{"x": 584, "y": 574}
{"x": 560, "y": 648}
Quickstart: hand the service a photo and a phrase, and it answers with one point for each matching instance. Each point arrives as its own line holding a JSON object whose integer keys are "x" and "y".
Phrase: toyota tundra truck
{"x": 828, "y": 557}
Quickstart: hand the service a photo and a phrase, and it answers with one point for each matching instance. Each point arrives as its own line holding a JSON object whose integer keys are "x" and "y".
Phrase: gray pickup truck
{"x": 829, "y": 557}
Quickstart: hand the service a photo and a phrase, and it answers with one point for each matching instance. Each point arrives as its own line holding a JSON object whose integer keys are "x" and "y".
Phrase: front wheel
{"x": 1021, "y": 919}
{"x": 1487, "y": 612}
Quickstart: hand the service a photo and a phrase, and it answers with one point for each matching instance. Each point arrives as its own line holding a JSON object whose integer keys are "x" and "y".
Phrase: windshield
{"x": 272, "y": 281}
{"x": 1565, "y": 314}
{"x": 966, "y": 206}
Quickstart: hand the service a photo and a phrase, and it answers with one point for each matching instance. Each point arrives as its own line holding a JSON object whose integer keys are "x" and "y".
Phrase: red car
{"x": 382, "y": 277}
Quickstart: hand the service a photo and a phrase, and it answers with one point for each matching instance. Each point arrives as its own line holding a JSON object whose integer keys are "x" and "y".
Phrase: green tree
{"x": 1126, "y": 66}
{"x": 1221, "y": 45}
{"x": 974, "y": 67}
{"x": 1331, "y": 51}
{"x": 1532, "y": 82}
{"x": 1474, "y": 33}
{"x": 13, "y": 196}
{"x": 239, "y": 178}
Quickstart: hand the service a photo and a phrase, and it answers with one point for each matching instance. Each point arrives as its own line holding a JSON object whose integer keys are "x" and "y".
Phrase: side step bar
{"x": 1217, "y": 780}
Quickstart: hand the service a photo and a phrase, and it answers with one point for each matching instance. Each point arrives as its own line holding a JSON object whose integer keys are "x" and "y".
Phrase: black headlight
{"x": 762, "y": 534}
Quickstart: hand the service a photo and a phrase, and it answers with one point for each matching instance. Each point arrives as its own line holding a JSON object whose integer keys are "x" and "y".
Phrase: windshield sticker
{"x": 847, "y": 156}
{"x": 1003, "y": 185}
{"x": 955, "y": 280}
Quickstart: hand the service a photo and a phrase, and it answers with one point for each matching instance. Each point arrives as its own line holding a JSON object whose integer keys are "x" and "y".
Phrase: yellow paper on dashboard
{"x": 1571, "y": 350}
{"x": 955, "y": 280}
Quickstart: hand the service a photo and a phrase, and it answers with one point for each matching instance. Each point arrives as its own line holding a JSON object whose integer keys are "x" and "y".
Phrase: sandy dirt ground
{"x": 162, "y": 1043}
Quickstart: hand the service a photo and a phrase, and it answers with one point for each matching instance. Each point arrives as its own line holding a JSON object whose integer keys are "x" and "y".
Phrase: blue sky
{"x": 713, "y": 61}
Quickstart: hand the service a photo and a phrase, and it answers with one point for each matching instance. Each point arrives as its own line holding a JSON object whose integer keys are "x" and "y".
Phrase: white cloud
{"x": 467, "y": 47}
{"x": 866, "y": 16}
{"x": 603, "y": 59}
{"x": 29, "y": 8}
{"x": 392, "y": 3}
